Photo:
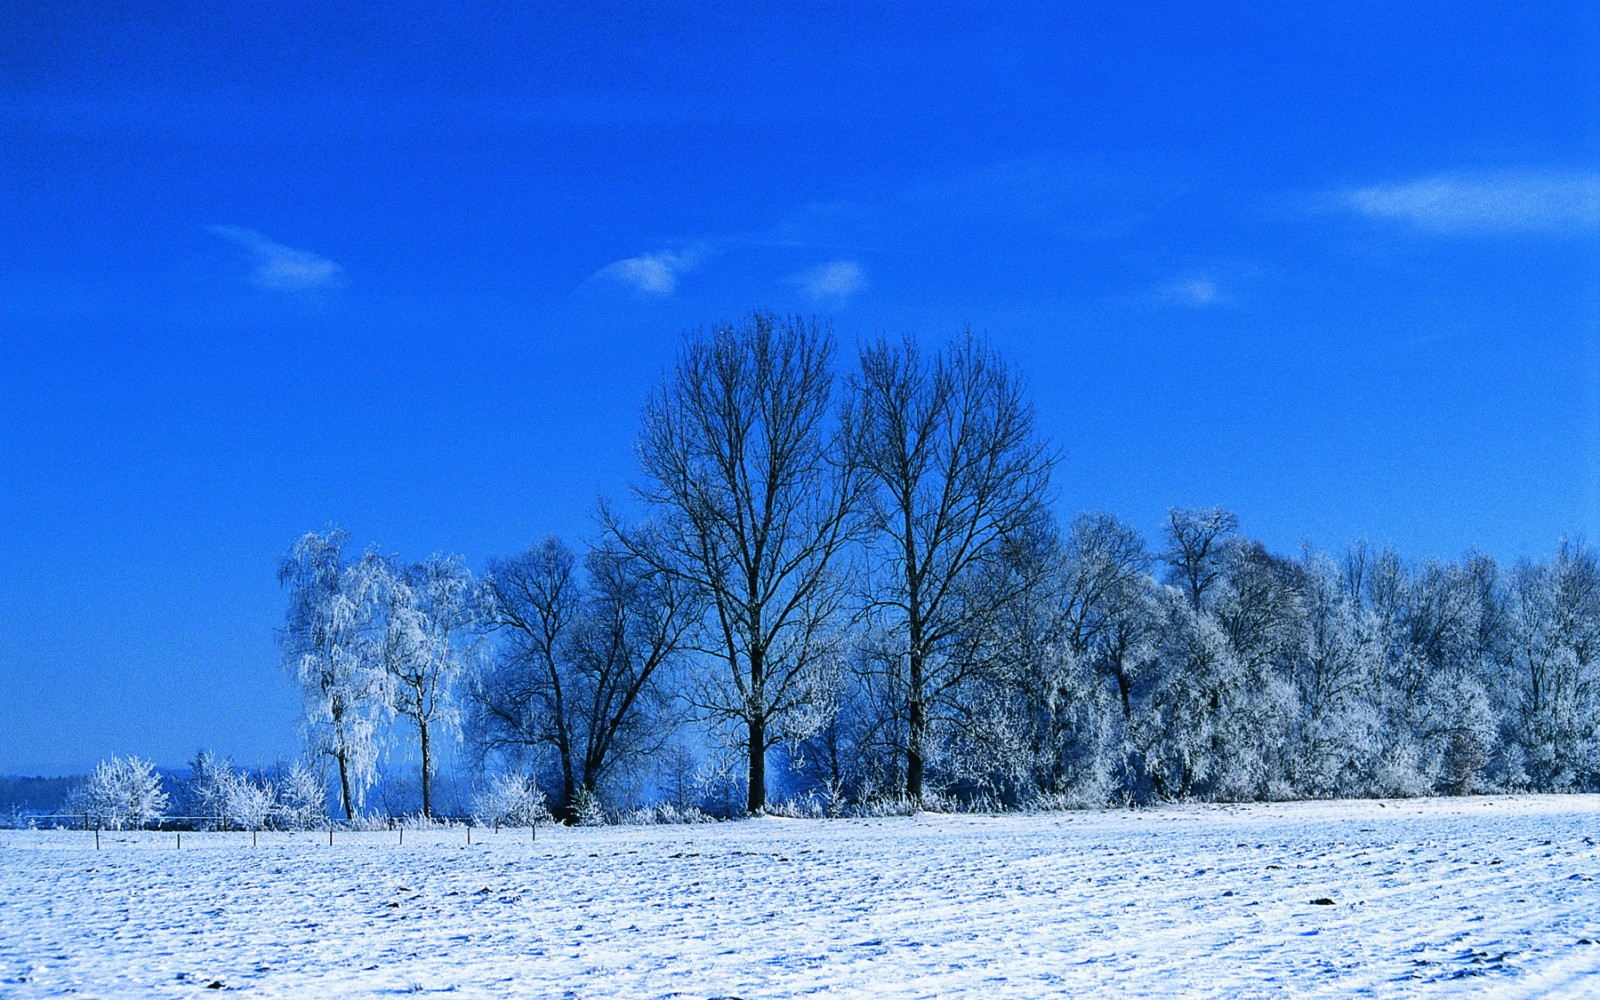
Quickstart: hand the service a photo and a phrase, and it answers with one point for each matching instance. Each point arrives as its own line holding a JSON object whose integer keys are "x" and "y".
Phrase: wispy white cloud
{"x": 654, "y": 274}
{"x": 282, "y": 268}
{"x": 835, "y": 281}
{"x": 1192, "y": 292}
{"x": 1525, "y": 201}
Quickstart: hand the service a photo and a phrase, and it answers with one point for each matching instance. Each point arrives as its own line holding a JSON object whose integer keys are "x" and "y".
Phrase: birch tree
{"x": 330, "y": 649}
{"x": 431, "y": 635}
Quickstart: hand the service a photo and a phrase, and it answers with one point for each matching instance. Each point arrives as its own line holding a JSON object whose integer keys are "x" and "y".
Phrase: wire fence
{"x": 199, "y": 828}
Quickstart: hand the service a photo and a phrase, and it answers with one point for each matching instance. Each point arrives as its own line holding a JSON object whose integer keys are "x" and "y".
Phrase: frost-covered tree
{"x": 958, "y": 474}
{"x": 1259, "y": 607}
{"x": 587, "y": 809}
{"x": 227, "y": 797}
{"x": 1082, "y": 652}
{"x": 1107, "y": 601}
{"x": 847, "y": 758}
{"x": 753, "y": 491}
{"x": 1554, "y": 675}
{"x": 1219, "y": 714}
{"x": 1439, "y": 712}
{"x": 121, "y": 793}
{"x": 1181, "y": 712}
{"x": 433, "y": 617}
{"x": 331, "y": 648}
{"x": 207, "y": 786}
{"x": 1337, "y": 731}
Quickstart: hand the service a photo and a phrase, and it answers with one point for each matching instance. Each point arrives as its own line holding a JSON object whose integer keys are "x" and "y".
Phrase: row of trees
{"x": 859, "y": 578}
{"x": 126, "y": 793}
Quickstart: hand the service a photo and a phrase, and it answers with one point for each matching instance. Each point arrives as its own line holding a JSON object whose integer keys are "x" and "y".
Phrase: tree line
{"x": 851, "y": 586}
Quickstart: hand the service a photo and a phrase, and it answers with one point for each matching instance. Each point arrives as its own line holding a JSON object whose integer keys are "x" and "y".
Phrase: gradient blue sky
{"x": 269, "y": 266}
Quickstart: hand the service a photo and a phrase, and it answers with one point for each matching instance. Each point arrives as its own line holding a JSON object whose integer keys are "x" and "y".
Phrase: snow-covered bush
{"x": 302, "y": 800}
{"x": 222, "y": 797}
{"x": 587, "y": 809}
{"x": 510, "y": 800}
{"x": 663, "y": 813}
{"x": 248, "y": 804}
{"x": 122, "y": 793}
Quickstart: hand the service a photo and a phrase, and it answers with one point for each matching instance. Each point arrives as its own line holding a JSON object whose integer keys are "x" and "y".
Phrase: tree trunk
{"x": 916, "y": 732}
{"x": 344, "y": 785}
{"x": 1125, "y": 692}
{"x": 757, "y": 800}
{"x": 427, "y": 771}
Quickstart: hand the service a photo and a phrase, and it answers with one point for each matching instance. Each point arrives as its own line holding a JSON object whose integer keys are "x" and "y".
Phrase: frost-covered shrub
{"x": 122, "y": 793}
{"x": 587, "y": 809}
{"x": 663, "y": 813}
{"x": 893, "y": 805}
{"x": 1402, "y": 773}
{"x": 510, "y": 800}
{"x": 248, "y": 804}
{"x": 799, "y": 807}
{"x": 421, "y": 821}
{"x": 302, "y": 800}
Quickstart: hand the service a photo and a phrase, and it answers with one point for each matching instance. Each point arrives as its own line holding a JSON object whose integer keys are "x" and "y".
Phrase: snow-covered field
{"x": 1436, "y": 897}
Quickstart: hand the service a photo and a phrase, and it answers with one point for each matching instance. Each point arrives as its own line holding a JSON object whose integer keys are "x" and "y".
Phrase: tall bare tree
{"x": 582, "y": 663}
{"x": 747, "y": 469}
{"x": 519, "y": 706}
{"x": 959, "y": 472}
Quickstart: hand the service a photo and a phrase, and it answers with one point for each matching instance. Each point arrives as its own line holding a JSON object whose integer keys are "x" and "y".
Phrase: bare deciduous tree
{"x": 519, "y": 707}
{"x": 754, "y": 491}
{"x": 949, "y": 445}
{"x": 581, "y": 664}
{"x": 1196, "y": 544}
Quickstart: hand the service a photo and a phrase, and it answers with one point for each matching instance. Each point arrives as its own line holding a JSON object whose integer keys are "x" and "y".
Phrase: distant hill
{"x": 35, "y": 795}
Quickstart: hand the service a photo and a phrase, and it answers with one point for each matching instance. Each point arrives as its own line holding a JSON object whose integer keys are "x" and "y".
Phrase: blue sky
{"x": 266, "y": 267}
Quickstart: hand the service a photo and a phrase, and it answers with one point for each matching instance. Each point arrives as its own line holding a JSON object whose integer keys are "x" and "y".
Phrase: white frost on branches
{"x": 330, "y": 648}
{"x": 123, "y": 793}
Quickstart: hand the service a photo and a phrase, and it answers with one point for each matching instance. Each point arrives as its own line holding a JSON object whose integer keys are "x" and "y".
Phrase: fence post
{"x": 253, "y": 838}
{"x": 533, "y": 829}
{"x": 402, "y": 835}
{"x": 97, "y": 838}
{"x": 180, "y": 840}
{"x": 330, "y": 836}
{"x": 469, "y": 834}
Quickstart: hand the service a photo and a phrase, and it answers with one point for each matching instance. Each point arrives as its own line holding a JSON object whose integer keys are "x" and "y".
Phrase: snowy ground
{"x": 1437, "y": 898}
